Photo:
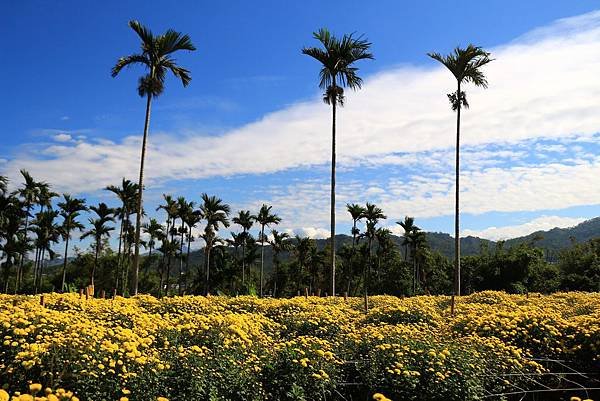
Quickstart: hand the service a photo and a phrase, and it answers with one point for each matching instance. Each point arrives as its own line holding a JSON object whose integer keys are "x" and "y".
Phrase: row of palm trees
{"x": 337, "y": 57}
{"x": 22, "y": 232}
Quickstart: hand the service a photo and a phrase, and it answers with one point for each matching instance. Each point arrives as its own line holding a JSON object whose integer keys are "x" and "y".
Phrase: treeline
{"x": 35, "y": 222}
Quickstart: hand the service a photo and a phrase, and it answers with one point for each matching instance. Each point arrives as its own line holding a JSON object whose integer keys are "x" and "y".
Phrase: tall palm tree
{"x": 191, "y": 220}
{"x": 416, "y": 239}
{"x": 264, "y": 218}
{"x": 279, "y": 243}
{"x": 216, "y": 213}
{"x": 465, "y": 65}
{"x": 372, "y": 214}
{"x": 127, "y": 194}
{"x": 184, "y": 208}
{"x": 302, "y": 254}
{"x": 29, "y": 194}
{"x": 357, "y": 212}
{"x": 156, "y": 57}
{"x": 170, "y": 207}
{"x": 408, "y": 225}
{"x": 337, "y": 57}
{"x": 244, "y": 220}
{"x": 69, "y": 210}
{"x": 3, "y": 185}
{"x": 155, "y": 232}
{"x": 47, "y": 233}
{"x": 99, "y": 231}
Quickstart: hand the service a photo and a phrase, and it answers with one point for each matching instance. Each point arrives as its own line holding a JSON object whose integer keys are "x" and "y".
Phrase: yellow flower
{"x": 575, "y": 399}
{"x": 25, "y": 397}
{"x": 4, "y": 396}
{"x": 123, "y": 399}
{"x": 35, "y": 388}
{"x": 162, "y": 399}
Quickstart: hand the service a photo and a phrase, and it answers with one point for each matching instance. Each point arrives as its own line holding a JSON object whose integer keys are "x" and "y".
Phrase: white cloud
{"x": 62, "y": 137}
{"x": 542, "y": 223}
{"x": 398, "y": 111}
{"x": 65, "y": 118}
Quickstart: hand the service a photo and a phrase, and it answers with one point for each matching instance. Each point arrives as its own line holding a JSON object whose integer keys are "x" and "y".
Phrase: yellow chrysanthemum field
{"x": 244, "y": 348}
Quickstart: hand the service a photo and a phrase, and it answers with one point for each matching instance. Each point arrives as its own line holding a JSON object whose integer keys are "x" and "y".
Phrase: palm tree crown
{"x": 156, "y": 57}
{"x": 337, "y": 58}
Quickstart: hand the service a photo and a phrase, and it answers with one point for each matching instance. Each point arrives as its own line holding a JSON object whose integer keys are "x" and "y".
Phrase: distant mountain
{"x": 552, "y": 241}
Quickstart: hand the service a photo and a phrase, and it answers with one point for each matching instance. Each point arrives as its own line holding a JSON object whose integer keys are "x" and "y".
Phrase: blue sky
{"x": 251, "y": 128}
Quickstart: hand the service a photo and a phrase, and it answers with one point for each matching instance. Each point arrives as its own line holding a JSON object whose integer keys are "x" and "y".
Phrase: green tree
{"x": 157, "y": 58}
{"x": 337, "y": 57}
{"x": 98, "y": 232}
{"x": 279, "y": 243}
{"x": 465, "y": 65}
{"x": 215, "y": 213}
{"x": 127, "y": 194}
{"x": 244, "y": 220}
{"x": 372, "y": 215}
{"x": 70, "y": 209}
{"x": 264, "y": 218}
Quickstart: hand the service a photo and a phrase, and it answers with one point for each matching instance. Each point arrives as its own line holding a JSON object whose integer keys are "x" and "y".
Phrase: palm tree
{"x": 191, "y": 219}
{"x": 416, "y": 239}
{"x": 244, "y": 220}
{"x": 47, "y": 232}
{"x": 155, "y": 232}
{"x": 372, "y": 214}
{"x": 264, "y": 218}
{"x": 357, "y": 212}
{"x": 29, "y": 194}
{"x": 408, "y": 225}
{"x": 156, "y": 57}
{"x": 127, "y": 194}
{"x": 3, "y": 185}
{"x": 337, "y": 58}
{"x": 215, "y": 212}
{"x": 279, "y": 243}
{"x": 171, "y": 208}
{"x": 302, "y": 254}
{"x": 184, "y": 208}
{"x": 465, "y": 65}
{"x": 69, "y": 210}
{"x": 99, "y": 231}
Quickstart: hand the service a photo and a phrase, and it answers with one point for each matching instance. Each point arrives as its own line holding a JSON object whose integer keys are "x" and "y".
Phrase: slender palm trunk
{"x": 366, "y": 279}
{"x": 22, "y": 260}
{"x": 187, "y": 256}
{"x": 138, "y": 219}
{"x": 334, "y": 103}
{"x": 415, "y": 270}
{"x": 262, "y": 258}
{"x": 207, "y": 278}
{"x": 162, "y": 259}
{"x": 64, "y": 270}
{"x": 244, "y": 258}
{"x": 457, "y": 209}
{"x": 95, "y": 263}
{"x": 119, "y": 251}
{"x": 276, "y": 265}
{"x": 41, "y": 270}
{"x": 180, "y": 278}
{"x": 35, "y": 266}
{"x": 352, "y": 257}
